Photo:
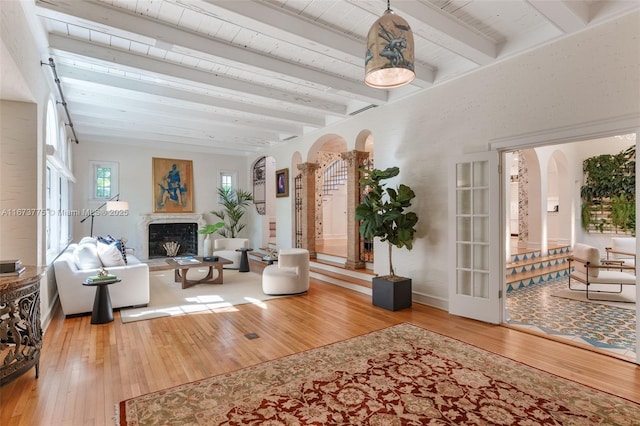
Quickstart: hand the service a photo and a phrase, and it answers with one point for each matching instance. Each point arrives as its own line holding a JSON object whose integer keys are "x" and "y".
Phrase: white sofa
{"x": 75, "y": 298}
{"x": 226, "y": 248}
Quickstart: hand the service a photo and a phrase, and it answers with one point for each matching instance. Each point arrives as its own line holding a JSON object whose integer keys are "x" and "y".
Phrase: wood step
{"x": 342, "y": 277}
{"x": 335, "y": 273}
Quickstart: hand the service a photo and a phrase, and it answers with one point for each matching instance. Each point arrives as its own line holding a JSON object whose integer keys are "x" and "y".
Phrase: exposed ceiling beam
{"x": 97, "y": 133}
{"x": 99, "y": 105}
{"x": 567, "y": 16}
{"x": 136, "y": 124}
{"x": 287, "y": 26}
{"x": 109, "y": 80}
{"x": 128, "y": 141}
{"x": 179, "y": 73}
{"x": 448, "y": 32}
{"x": 132, "y": 24}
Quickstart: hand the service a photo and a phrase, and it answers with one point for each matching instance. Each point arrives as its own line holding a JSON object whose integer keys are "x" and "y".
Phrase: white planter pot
{"x": 207, "y": 245}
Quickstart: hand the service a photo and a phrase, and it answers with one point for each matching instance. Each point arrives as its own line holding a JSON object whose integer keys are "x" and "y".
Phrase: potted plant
{"x": 234, "y": 207}
{"x": 383, "y": 214}
{"x": 207, "y": 230}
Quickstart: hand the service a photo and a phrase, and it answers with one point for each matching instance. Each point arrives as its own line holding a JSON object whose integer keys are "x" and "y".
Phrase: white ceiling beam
{"x": 133, "y": 24}
{"x": 109, "y": 80}
{"x": 91, "y": 132}
{"x": 448, "y": 32}
{"x": 184, "y": 74}
{"x": 99, "y": 105}
{"x": 169, "y": 126}
{"x": 287, "y": 26}
{"x": 128, "y": 141}
{"x": 567, "y": 16}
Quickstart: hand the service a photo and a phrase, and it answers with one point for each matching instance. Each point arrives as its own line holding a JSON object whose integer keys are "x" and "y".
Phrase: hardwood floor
{"x": 85, "y": 369}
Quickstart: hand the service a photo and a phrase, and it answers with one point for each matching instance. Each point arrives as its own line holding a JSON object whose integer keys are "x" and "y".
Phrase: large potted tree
{"x": 383, "y": 214}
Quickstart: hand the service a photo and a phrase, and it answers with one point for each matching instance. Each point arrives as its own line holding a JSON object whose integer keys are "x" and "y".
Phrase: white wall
{"x": 591, "y": 77}
{"x": 23, "y": 79}
{"x": 135, "y": 172}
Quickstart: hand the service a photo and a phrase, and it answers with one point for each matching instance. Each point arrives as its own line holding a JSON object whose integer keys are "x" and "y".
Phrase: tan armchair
{"x": 586, "y": 267}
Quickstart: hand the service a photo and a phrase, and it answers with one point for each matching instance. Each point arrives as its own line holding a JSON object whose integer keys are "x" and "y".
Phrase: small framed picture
{"x": 282, "y": 183}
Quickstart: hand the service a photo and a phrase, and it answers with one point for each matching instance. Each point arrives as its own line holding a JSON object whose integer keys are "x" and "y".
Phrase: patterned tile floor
{"x": 606, "y": 327}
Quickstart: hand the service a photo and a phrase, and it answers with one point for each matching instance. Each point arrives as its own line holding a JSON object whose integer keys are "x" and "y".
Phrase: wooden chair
{"x": 586, "y": 267}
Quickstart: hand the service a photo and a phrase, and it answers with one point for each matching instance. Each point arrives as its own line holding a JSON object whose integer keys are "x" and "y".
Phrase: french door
{"x": 474, "y": 235}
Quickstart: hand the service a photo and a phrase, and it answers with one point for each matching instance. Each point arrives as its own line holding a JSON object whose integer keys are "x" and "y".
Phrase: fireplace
{"x": 184, "y": 234}
{"x": 161, "y": 228}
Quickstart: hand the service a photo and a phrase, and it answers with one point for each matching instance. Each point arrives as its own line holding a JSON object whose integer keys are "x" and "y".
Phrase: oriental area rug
{"x": 401, "y": 375}
{"x": 168, "y": 298}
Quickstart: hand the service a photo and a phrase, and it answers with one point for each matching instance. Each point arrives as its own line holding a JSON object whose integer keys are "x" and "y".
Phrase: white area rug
{"x": 169, "y": 299}
{"x": 626, "y": 299}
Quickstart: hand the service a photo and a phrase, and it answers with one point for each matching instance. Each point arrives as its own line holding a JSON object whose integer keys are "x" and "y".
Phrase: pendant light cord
{"x": 388, "y": 5}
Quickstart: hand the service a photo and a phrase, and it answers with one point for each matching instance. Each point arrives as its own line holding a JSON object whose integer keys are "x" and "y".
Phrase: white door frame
{"x": 584, "y": 131}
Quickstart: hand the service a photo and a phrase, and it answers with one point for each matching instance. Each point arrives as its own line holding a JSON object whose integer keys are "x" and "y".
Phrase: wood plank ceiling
{"x": 240, "y": 76}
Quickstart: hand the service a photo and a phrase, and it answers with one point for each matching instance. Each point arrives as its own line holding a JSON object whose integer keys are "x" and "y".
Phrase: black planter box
{"x": 391, "y": 295}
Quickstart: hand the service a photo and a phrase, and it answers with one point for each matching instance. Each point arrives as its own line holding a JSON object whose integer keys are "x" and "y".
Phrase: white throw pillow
{"x": 110, "y": 255}
{"x": 86, "y": 256}
{"x": 88, "y": 240}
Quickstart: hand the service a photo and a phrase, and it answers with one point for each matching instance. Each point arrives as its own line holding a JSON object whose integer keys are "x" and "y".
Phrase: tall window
{"x": 58, "y": 177}
{"x": 49, "y": 203}
{"x": 104, "y": 184}
{"x": 227, "y": 179}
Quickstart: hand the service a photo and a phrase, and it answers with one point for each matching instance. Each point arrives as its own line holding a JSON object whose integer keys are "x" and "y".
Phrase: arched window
{"x": 58, "y": 179}
{"x": 51, "y": 136}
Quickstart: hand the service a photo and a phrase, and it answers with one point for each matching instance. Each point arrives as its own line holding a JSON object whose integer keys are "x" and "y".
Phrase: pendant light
{"x": 389, "y": 57}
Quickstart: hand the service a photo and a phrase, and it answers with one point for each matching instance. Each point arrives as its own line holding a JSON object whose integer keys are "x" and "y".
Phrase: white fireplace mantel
{"x": 156, "y": 218}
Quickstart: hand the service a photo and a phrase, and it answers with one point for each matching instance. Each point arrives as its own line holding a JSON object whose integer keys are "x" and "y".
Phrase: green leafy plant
{"x": 383, "y": 213}
{"x": 210, "y": 228}
{"x": 234, "y": 207}
{"x": 609, "y": 193}
{"x": 623, "y": 213}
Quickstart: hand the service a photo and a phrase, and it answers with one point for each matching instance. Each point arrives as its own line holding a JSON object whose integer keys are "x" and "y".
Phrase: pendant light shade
{"x": 389, "y": 57}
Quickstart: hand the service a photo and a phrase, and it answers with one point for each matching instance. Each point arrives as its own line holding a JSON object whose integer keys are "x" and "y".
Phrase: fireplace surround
{"x": 181, "y": 228}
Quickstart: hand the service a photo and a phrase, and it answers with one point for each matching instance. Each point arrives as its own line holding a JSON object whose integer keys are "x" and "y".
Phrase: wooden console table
{"x": 20, "y": 330}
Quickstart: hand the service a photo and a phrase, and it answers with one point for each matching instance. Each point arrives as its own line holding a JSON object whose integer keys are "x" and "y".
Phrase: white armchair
{"x": 623, "y": 249}
{"x": 586, "y": 267}
{"x": 226, "y": 248}
{"x": 290, "y": 275}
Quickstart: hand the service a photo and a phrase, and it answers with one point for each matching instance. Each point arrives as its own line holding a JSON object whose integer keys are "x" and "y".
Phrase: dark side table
{"x": 102, "y": 311}
{"x": 244, "y": 259}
